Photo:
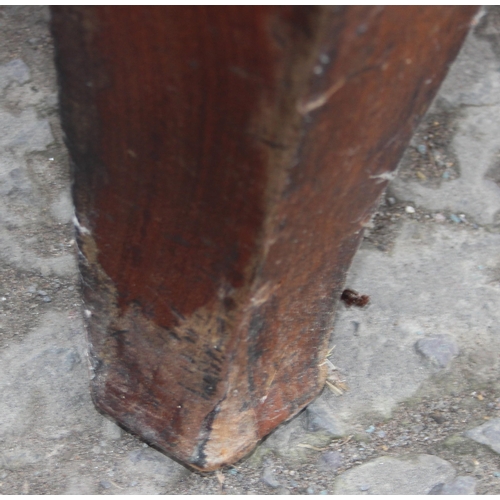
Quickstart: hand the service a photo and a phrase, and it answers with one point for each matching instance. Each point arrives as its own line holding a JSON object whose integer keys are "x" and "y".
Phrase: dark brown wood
{"x": 226, "y": 160}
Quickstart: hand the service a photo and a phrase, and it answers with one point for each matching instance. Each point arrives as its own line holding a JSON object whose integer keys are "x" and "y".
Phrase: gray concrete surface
{"x": 417, "y": 404}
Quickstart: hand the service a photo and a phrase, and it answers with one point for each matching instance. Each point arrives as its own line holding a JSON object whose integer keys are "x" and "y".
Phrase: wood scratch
{"x": 316, "y": 102}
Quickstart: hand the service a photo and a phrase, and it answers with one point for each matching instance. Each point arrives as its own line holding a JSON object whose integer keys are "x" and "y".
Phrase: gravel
{"x": 420, "y": 362}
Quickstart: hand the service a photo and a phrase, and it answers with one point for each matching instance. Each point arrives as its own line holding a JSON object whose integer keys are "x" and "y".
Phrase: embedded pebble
{"x": 393, "y": 476}
{"x": 14, "y": 71}
{"x": 330, "y": 460}
{"x": 111, "y": 431}
{"x": 321, "y": 417}
{"x": 310, "y": 490}
{"x": 391, "y": 200}
{"x": 18, "y": 458}
{"x": 488, "y": 434}
{"x": 269, "y": 478}
{"x": 439, "y": 217}
{"x": 455, "y": 219}
{"x": 72, "y": 359}
{"x": 461, "y": 485}
{"x": 150, "y": 468}
{"x": 422, "y": 149}
{"x": 440, "y": 349}
{"x": 105, "y": 484}
{"x": 282, "y": 491}
{"x": 409, "y": 209}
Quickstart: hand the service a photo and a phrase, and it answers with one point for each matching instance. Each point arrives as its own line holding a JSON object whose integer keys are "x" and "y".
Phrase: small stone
{"x": 391, "y": 200}
{"x": 381, "y": 434}
{"x": 388, "y": 476}
{"x": 42, "y": 293}
{"x": 282, "y": 491}
{"x": 323, "y": 492}
{"x": 438, "y": 417}
{"x": 437, "y": 489}
{"x": 446, "y": 175}
{"x": 47, "y": 299}
{"x": 32, "y": 289}
{"x": 269, "y": 478}
{"x": 496, "y": 474}
{"x": 111, "y": 431}
{"x": 72, "y": 359}
{"x": 422, "y": 149}
{"x": 330, "y": 460}
{"x": 320, "y": 417}
{"x": 364, "y": 487}
{"x": 370, "y": 429}
{"x": 15, "y": 70}
{"x": 488, "y": 434}
{"x": 310, "y": 490}
{"x": 105, "y": 484}
{"x": 440, "y": 350}
{"x": 439, "y": 217}
{"x": 461, "y": 485}
{"x": 455, "y": 219}
{"x": 409, "y": 209}
{"x": 18, "y": 458}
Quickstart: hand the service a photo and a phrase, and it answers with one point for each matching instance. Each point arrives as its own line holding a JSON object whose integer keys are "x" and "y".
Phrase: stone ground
{"x": 415, "y": 404}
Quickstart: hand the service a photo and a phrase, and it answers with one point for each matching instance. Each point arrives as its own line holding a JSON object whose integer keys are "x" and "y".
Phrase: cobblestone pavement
{"x": 416, "y": 404}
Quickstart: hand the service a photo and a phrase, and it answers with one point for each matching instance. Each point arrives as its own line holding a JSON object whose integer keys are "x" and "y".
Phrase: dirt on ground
{"x": 52, "y": 439}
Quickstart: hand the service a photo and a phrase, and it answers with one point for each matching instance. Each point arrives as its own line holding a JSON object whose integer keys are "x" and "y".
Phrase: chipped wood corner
{"x": 225, "y": 161}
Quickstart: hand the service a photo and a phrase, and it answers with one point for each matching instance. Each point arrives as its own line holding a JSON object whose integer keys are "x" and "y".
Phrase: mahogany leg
{"x": 226, "y": 160}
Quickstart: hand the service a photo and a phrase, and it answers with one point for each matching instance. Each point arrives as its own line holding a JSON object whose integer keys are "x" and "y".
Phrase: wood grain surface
{"x": 226, "y": 160}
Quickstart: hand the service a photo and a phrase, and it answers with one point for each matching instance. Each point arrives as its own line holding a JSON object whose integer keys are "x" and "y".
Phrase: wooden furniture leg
{"x": 226, "y": 160}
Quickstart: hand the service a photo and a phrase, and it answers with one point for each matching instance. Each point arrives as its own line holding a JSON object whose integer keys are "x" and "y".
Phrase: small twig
{"x": 347, "y": 440}
{"x": 220, "y": 477}
{"x": 329, "y": 353}
{"x": 311, "y": 447}
{"x": 330, "y": 364}
{"x": 333, "y": 388}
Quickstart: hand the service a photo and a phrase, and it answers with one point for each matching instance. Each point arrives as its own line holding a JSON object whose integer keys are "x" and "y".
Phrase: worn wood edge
{"x": 90, "y": 267}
